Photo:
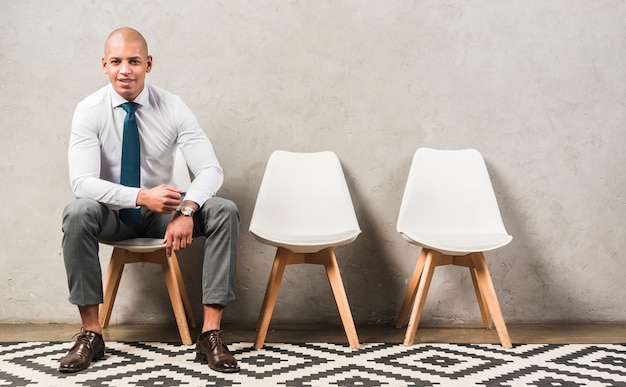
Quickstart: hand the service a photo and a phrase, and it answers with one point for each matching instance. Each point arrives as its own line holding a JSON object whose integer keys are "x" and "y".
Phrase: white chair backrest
{"x": 449, "y": 191}
{"x": 303, "y": 194}
{"x": 181, "y": 172}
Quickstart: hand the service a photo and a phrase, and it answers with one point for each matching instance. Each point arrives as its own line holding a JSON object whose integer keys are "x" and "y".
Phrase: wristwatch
{"x": 186, "y": 210}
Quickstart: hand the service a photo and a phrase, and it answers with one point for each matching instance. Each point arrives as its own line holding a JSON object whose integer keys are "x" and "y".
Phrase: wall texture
{"x": 536, "y": 86}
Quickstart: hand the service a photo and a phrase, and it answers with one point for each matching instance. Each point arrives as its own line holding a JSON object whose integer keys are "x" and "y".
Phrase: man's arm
{"x": 202, "y": 161}
{"x": 200, "y": 157}
{"x": 84, "y": 161}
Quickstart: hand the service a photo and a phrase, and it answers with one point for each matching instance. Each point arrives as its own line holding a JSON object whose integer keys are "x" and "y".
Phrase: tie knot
{"x": 130, "y": 107}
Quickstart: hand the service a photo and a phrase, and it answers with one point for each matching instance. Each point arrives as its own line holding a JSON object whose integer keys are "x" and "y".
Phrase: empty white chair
{"x": 450, "y": 210}
{"x": 152, "y": 250}
{"x": 304, "y": 208}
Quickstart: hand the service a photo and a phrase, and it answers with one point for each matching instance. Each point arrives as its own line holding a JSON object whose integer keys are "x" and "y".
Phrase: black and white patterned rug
{"x": 162, "y": 364}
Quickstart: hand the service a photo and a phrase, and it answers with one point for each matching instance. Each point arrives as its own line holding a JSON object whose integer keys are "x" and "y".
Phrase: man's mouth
{"x": 125, "y": 80}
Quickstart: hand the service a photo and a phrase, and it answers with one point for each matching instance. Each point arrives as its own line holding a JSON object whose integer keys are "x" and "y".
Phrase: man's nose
{"x": 125, "y": 69}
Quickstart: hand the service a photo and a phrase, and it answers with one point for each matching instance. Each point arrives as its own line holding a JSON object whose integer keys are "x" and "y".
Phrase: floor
{"x": 302, "y": 333}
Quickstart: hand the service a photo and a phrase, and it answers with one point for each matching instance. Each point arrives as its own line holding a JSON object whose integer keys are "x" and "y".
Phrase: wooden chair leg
{"x": 269, "y": 301}
{"x": 336, "y": 284}
{"x": 175, "y": 267}
{"x": 420, "y": 297}
{"x": 111, "y": 285}
{"x": 411, "y": 290}
{"x": 173, "y": 289}
{"x": 482, "y": 304}
{"x": 486, "y": 288}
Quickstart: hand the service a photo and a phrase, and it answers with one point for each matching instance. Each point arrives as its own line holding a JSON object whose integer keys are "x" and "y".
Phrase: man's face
{"x": 126, "y": 62}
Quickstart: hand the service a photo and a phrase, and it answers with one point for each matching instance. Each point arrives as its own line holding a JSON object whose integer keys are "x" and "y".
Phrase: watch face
{"x": 187, "y": 211}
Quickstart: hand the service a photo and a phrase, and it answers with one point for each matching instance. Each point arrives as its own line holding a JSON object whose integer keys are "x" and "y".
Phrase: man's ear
{"x": 149, "y": 61}
{"x": 104, "y": 65}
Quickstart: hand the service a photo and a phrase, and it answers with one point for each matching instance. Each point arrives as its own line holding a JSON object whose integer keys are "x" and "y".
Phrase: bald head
{"x": 125, "y": 35}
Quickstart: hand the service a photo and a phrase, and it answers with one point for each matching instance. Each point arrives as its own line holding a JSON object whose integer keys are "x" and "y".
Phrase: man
{"x": 121, "y": 156}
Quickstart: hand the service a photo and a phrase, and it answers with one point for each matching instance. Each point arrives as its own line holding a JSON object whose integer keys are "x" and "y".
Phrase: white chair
{"x": 450, "y": 210}
{"x": 149, "y": 250}
{"x": 305, "y": 210}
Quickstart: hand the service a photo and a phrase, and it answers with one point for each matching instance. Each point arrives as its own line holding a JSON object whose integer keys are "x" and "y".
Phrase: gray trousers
{"x": 86, "y": 222}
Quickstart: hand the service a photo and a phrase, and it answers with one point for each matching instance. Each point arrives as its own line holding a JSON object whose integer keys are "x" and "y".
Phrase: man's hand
{"x": 179, "y": 233}
{"x": 163, "y": 199}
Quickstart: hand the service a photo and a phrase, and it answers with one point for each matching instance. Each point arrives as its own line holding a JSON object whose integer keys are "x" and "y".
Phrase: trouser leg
{"x": 84, "y": 221}
{"x": 219, "y": 223}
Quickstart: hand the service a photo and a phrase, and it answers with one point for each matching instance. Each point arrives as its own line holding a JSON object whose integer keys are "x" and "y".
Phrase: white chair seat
{"x": 305, "y": 243}
{"x": 140, "y": 245}
{"x": 457, "y": 244}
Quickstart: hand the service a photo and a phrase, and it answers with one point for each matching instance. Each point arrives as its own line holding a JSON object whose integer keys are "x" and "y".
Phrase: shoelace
{"x": 216, "y": 340}
{"x": 82, "y": 338}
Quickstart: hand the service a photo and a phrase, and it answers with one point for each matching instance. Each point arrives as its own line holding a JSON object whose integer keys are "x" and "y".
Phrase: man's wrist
{"x": 189, "y": 203}
{"x": 188, "y": 208}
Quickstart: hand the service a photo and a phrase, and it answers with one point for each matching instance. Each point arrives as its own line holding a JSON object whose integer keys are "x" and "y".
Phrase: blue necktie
{"x": 130, "y": 175}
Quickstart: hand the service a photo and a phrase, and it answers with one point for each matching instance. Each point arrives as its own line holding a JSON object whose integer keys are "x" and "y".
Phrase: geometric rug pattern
{"x": 322, "y": 364}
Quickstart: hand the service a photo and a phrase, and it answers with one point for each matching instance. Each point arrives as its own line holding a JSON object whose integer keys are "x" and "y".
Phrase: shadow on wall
{"x": 369, "y": 276}
{"x": 532, "y": 279}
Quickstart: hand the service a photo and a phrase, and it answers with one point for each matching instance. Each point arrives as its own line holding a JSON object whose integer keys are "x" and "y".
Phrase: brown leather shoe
{"x": 89, "y": 347}
{"x": 211, "y": 348}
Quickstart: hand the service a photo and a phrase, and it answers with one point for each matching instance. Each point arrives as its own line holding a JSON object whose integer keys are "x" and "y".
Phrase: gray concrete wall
{"x": 537, "y": 86}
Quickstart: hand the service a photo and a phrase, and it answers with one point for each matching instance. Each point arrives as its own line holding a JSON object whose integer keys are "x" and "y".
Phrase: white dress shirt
{"x": 164, "y": 122}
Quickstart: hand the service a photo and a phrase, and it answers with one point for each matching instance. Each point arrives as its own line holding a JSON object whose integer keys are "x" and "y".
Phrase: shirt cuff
{"x": 128, "y": 197}
{"x": 198, "y": 196}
